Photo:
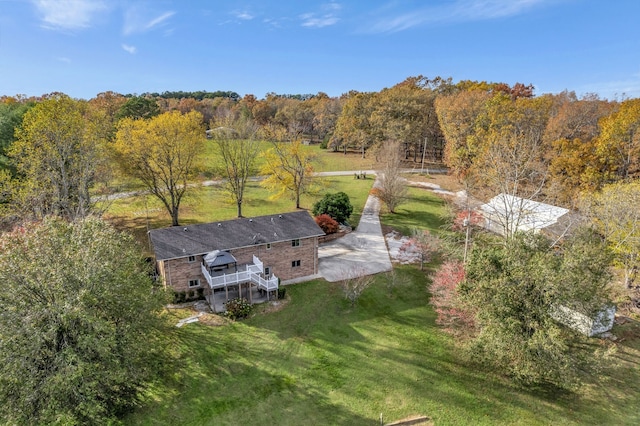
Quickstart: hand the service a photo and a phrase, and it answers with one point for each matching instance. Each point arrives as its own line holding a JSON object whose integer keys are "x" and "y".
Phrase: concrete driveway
{"x": 361, "y": 252}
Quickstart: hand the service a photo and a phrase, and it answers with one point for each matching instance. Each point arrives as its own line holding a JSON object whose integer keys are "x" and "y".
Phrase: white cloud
{"x": 64, "y": 59}
{"x": 457, "y": 11}
{"x": 68, "y": 14}
{"x": 318, "y": 22}
{"x": 244, "y": 15}
{"x": 327, "y": 18}
{"x": 137, "y": 20}
{"x": 130, "y": 49}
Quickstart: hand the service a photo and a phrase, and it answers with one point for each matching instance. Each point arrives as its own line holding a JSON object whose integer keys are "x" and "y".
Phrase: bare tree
{"x": 238, "y": 148}
{"x": 392, "y": 189}
{"x": 354, "y": 282}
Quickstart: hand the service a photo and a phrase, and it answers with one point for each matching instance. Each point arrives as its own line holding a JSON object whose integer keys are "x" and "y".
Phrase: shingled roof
{"x": 181, "y": 241}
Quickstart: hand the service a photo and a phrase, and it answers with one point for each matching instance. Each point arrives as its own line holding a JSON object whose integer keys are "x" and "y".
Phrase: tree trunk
{"x": 240, "y": 208}
{"x": 174, "y": 217}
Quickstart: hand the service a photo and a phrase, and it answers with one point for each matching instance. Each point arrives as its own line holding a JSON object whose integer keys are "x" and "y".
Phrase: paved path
{"x": 361, "y": 252}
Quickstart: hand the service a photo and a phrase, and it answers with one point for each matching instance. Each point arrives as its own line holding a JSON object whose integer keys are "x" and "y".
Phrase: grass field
{"x": 317, "y": 360}
{"x": 207, "y": 204}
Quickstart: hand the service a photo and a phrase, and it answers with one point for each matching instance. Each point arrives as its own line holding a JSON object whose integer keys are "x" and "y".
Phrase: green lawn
{"x": 207, "y": 204}
{"x": 319, "y": 361}
{"x": 421, "y": 209}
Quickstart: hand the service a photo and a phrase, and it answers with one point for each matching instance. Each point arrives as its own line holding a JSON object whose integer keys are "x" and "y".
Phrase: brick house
{"x": 254, "y": 252}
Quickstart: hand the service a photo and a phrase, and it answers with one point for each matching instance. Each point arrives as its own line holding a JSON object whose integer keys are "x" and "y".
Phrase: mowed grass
{"x": 420, "y": 210}
{"x": 207, "y": 204}
{"x": 320, "y": 361}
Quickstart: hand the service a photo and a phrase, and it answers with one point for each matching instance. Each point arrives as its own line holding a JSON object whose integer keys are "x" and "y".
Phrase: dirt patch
{"x": 213, "y": 320}
{"x": 444, "y": 181}
{"x": 274, "y": 305}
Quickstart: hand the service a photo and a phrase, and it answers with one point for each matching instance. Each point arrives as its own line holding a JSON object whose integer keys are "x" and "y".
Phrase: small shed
{"x": 506, "y": 214}
{"x": 600, "y": 322}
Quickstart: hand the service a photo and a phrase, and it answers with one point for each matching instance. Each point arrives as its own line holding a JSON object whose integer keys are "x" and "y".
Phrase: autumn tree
{"x": 353, "y": 127}
{"x": 515, "y": 291}
{"x": 391, "y": 187}
{"x": 326, "y": 111}
{"x": 288, "y": 168}
{"x": 618, "y": 144}
{"x": 406, "y": 113}
{"x": 105, "y": 109}
{"x": 79, "y": 333}
{"x": 511, "y": 162}
{"x": 162, "y": 153}
{"x": 614, "y": 213}
{"x": 238, "y": 149}
{"x": 570, "y": 145}
{"x": 451, "y": 314}
{"x": 458, "y": 115}
{"x": 57, "y": 156}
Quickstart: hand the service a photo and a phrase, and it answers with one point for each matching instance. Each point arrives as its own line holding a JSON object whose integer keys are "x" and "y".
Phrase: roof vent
{"x": 280, "y": 216}
{"x": 219, "y": 224}
{"x": 250, "y": 220}
{"x": 184, "y": 229}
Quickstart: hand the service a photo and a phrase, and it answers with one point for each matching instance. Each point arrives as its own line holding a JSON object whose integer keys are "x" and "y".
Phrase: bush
{"x": 238, "y": 308}
{"x": 201, "y": 293}
{"x": 327, "y": 224}
{"x": 179, "y": 297}
{"x": 282, "y": 292}
{"x": 336, "y": 205}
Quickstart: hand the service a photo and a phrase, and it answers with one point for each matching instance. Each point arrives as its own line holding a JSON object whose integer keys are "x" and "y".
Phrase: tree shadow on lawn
{"x": 221, "y": 378}
{"x": 414, "y": 357}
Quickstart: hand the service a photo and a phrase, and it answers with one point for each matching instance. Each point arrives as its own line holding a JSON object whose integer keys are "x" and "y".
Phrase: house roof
{"x": 529, "y": 215}
{"x": 181, "y": 241}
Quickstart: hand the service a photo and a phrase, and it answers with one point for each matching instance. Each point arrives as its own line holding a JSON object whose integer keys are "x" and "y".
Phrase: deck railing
{"x": 252, "y": 273}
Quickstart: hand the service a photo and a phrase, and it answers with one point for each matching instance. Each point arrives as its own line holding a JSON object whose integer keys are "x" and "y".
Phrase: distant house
{"x": 246, "y": 253}
{"x": 506, "y": 214}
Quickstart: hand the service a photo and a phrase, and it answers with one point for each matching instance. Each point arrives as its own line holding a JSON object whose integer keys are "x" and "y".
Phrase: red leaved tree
{"x": 327, "y": 224}
{"x": 451, "y": 315}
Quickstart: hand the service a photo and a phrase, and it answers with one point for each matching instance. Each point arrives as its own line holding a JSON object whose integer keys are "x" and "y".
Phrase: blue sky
{"x": 84, "y": 47}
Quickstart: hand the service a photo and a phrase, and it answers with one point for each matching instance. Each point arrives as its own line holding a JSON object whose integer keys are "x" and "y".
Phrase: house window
{"x": 267, "y": 271}
{"x": 295, "y": 243}
{"x": 268, "y": 246}
{"x": 192, "y": 259}
{"x": 295, "y": 263}
{"x": 194, "y": 283}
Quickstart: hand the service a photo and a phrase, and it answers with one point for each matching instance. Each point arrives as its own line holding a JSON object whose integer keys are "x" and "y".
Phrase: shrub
{"x": 327, "y": 224}
{"x": 179, "y": 297}
{"x": 282, "y": 292}
{"x": 200, "y": 293}
{"x": 336, "y": 205}
{"x": 238, "y": 308}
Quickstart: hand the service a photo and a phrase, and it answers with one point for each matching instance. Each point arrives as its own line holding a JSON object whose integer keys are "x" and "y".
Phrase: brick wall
{"x": 178, "y": 272}
{"x": 278, "y": 258}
